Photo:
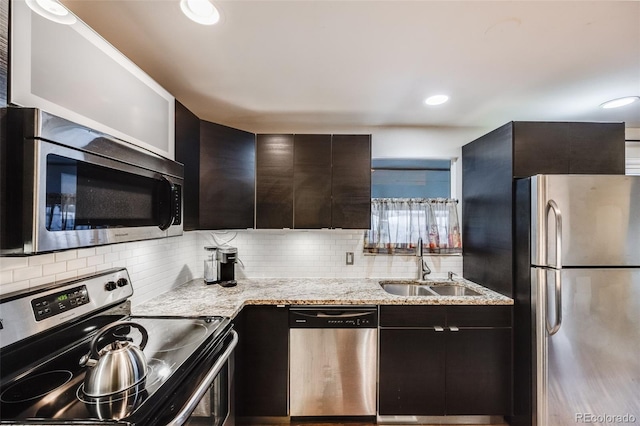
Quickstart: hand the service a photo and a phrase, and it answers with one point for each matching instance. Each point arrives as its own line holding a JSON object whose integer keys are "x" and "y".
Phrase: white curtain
{"x": 398, "y": 223}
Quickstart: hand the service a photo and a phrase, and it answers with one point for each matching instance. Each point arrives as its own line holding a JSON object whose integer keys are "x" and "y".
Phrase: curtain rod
{"x": 415, "y": 200}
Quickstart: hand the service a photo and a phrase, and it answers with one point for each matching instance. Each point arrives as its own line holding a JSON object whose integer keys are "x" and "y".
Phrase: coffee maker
{"x": 219, "y": 266}
{"x": 226, "y": 257}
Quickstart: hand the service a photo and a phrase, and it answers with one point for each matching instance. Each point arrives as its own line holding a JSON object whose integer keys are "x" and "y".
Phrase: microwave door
{"x": 84, "y": 200}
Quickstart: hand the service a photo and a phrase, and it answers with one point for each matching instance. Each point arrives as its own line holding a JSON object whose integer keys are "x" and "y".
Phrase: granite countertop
{"x": 197, "y": 299}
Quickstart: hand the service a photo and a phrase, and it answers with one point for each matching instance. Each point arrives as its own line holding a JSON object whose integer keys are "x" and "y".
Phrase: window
{"x": 410, "y": 178}
{"x": 411, "y": 201}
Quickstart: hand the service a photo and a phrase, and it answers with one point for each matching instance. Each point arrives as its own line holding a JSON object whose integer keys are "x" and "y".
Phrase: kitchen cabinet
{"x": 522, "y": 149}
{"x": 313, "y": 181}
{"x": 262, "y": 361}
{"x": 274, "y": 181}
{"x": 4, "y": 51}
{"x": 351, "y": 181}
{"x": 445, "y": 360}
{"x": 219, "y": 173}
{"x": 88, "y": 82}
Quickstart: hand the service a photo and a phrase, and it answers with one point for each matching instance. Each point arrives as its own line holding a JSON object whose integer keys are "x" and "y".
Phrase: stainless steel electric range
{"x": 47, "y": 333}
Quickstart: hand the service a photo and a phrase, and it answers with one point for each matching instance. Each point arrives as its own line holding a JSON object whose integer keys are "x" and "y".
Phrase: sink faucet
{"x": 451, "y": 274}
{"x": 423, "y": 268}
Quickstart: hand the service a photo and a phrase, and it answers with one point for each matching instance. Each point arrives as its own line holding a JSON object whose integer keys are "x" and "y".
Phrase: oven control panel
{"x": 56, "y": 303}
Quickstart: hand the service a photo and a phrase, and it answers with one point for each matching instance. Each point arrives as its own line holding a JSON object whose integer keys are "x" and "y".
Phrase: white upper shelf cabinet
{"x": 72, "y": 72}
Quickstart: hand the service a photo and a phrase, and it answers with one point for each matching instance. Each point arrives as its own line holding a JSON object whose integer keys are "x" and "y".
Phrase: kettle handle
{"x": 118, "y": 324}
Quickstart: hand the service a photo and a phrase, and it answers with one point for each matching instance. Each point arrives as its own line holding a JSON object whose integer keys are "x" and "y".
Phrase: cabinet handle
{"x": 438, "y": 328}
{"x": 453, "y": 328}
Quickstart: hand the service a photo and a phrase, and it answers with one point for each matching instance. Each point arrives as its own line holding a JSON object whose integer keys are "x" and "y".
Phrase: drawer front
{"x": 479, "y": 316}
{"x": 412, "y": 316}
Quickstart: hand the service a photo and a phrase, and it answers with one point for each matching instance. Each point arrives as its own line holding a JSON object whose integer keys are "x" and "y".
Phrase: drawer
{"x": 479, "y": 316}
{"x": 412, "y": 316}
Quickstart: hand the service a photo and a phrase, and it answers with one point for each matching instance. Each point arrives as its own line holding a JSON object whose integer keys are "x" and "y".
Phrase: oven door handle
{"x": 188, "y": 408}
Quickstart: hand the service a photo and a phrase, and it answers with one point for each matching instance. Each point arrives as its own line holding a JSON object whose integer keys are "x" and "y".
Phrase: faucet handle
{"x": 451, "y": 274}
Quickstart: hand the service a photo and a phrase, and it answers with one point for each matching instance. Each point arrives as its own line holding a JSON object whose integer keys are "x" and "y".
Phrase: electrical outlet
{"x": 349, "y": 258}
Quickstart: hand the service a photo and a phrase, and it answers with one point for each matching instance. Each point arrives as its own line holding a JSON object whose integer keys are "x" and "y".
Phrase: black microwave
{"x": 67, "y": 186}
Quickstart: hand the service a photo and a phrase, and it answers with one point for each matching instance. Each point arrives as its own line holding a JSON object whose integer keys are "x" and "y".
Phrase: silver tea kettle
{"x": 117, "y": 366}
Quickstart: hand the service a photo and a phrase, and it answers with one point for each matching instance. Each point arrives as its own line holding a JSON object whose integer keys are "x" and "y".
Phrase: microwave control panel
{"x": 57, "y": 303}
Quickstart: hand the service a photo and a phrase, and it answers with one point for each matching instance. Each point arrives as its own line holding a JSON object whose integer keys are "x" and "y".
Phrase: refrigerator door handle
{"x": 553, "y": 206}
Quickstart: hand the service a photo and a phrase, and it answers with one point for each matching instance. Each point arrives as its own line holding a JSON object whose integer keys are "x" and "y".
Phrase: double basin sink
{"x": 427, "y": 288}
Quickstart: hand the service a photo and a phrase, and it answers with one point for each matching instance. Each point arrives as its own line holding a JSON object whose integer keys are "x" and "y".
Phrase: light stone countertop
{"x": 197, "y": 299}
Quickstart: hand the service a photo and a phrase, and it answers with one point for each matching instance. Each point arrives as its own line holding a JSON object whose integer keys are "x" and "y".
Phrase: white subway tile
{"x": 95, "y": 260}
{"x": 104, "y": 249}
{"x": 87, "y": 271}
{"x": 66, "y": 275}
{"x": 66, "y": 255}
{"x": 13, "y": 262}
{"x": 15, "y": 286}
{"x": 76, "y": 264}
{"x": 42, "y": 259}
{"x": 35, "y": 282}
{"x": 27, "y": 273}
{"x": 54, "y": 268}
{"x": 6, "y": 277}
{"x": 86, "y": 252}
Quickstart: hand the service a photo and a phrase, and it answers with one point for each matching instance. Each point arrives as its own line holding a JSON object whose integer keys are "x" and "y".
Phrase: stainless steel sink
{"x": 454, "y": 290}
{"x": 417, "y": 288}
{"x": 407, "y": 289}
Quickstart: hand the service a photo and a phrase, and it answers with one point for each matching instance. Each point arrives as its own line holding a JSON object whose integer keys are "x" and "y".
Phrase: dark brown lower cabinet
{"x": 412, "y": 372}
{"x": 262, "y": 361}
{"x": 478, "y": 372}
{"x": 442, "y": 368}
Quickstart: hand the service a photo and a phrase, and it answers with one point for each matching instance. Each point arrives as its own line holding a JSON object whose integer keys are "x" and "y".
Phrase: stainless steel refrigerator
{"x": 585, "y": 299}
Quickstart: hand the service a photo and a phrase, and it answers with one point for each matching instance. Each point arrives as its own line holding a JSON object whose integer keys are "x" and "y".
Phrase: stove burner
{"x": 36, "y": 386}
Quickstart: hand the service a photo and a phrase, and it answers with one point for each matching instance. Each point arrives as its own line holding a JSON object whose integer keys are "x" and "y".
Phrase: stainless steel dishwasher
{"x": 333, "y": 359}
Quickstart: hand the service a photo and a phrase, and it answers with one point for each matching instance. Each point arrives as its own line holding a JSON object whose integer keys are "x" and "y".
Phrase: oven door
{"x": 212, "y": 401}
{"x": 84, "y": 199}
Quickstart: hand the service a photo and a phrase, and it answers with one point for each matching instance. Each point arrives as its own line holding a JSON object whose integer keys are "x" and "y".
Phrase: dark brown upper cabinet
{"x": 4, "y": 50}
{"x": 219, "y": 173}
{"x": 312, "y": 181}
{"x": 274, "y": 181}
{"x": 351, "y": 182}
{"x": 566, "y": 148}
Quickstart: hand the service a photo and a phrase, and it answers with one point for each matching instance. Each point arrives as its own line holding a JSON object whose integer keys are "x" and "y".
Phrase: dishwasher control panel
{"x": 333, "y": 317}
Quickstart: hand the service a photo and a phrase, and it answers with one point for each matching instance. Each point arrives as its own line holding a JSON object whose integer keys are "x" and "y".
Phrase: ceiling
{"x": 309, "y": 65}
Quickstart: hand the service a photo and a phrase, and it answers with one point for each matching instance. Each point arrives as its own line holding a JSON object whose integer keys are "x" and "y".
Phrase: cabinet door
{"x": 187, "y": 135}
{"x": 4, "y": 52}
{"x": 274, "y": 181}
{"x": 262, "y": 361}
{"x": 351, "y": 183}
{"x": 411, "y": 372}
{"x": 312, "y": 181}
{"x": 478, "y": 374}
{"x": 227, "y": 177}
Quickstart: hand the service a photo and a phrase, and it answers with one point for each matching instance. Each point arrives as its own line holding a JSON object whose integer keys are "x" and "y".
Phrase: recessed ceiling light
{"x": 615, "y": 103}
{"x": 200, "y": 11}
{"x": 52, "y": 10}
{"x": 436, "y": 99}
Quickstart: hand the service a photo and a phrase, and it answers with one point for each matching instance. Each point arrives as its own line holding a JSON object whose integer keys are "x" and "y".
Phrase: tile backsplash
{"x": 318, "y": 254}
{"x": 157, "y": 266}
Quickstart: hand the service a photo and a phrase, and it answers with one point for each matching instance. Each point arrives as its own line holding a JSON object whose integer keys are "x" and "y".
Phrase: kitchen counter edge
{"x": 195, "y": 298}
